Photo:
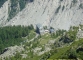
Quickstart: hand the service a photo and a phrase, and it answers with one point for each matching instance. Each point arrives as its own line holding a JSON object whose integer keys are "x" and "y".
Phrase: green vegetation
{"x": 60, "y": 32}
{"x": 67, "y": 36}
{"x": 2, "y": 2}
{"x": 45, "y": 27}
{"x": 72, "y": 32}
{"x": 65, "y": 46}
{"x": 45, "y": 38}
{"x": 81, "y": 6}
{"x": 31, "y": 35}
{"x": 14, "y": 9}
{"x": 72, "y": 51}
{"x": 22, "y": 4}
{"x": 16, "y": 6}
{"x": 17, "y": 56}
{"x": 58, "y": 53}
{"x": 40, "y": 42}
{"x": 69, "y": 51}
{"x": 12, "y": 35}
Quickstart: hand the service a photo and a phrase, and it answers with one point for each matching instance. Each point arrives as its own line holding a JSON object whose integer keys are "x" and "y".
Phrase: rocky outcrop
{"x": 11, "y": 51}
{"x": 4, "y": 13}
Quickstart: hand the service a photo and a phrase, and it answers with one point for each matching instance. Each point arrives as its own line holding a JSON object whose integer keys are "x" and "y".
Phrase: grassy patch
{"x": 67, "y": 50}
{"x": 31, "y": 35}
{"x": 45, "y": 38}
{"x": 35, "y": 58}
{"x": 59, "y": 52}
{"x": 77, "y": 43}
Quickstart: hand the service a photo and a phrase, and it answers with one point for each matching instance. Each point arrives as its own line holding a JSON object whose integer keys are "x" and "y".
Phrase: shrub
{"x": 2, "y": 2}
{"x": 57, "y": 10}
{"x": 81, "y": 6}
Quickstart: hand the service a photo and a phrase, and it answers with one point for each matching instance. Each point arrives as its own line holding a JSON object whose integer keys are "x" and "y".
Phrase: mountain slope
{"x": 3, "y": 13}
{"x": 60, "y": 14}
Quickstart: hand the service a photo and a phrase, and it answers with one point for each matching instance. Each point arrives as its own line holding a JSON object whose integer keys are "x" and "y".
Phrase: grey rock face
{"x": 60, "y": 14}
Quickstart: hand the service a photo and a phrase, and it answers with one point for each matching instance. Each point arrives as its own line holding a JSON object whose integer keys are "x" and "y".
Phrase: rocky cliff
{"x": 60, "y": 14}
